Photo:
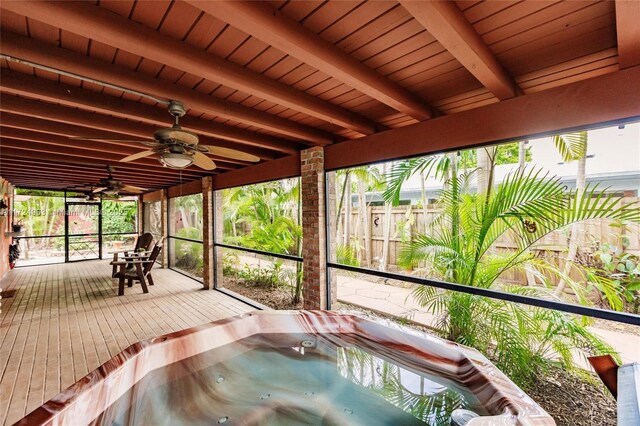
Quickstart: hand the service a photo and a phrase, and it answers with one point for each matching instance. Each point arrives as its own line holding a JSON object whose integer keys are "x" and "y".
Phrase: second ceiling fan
{"x": 177, "y": 148}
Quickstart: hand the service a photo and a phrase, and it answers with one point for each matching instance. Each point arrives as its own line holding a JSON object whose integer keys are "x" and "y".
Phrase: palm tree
{"x": 527, "y": 205}
{"x": 272, "y": 212}
{"x": 572, "y": 147}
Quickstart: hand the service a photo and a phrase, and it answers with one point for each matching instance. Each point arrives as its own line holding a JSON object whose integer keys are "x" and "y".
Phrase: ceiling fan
{"x": 177, "y": 148}
{"x": 108, "y": 186}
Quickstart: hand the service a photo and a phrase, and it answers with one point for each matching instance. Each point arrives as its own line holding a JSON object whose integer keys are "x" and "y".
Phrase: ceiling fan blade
{"x": 202, "y": 161}
{"x": 230, "y": 153}
{"x": 80, "y": 138}
{"x": 131, "y": 188}
{"x": 138, "y": 155}
{"x": 102, "y": 188}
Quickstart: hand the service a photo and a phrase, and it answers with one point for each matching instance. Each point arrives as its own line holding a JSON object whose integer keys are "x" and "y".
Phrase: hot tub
{"x": 275, "y": 368}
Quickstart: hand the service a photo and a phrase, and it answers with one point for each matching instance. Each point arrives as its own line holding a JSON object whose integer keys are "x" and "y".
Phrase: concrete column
{"x": 207, "y": 232}
{"x": 314, "y": 229}
{"x": 218, "y": 225}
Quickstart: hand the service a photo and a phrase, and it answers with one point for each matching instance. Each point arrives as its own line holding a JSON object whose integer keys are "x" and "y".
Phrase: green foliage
{"x": 507, "y": 153}
{"x": 270, "y": 211}
{"x": 119, "y": 216}
{"x": 439, "y": 166}
{"x": 346, "y": 255}
{"x": 528, "y": 205}
{"x": 616, "y": 275}
{"x": 188, "y": 255}
{"x": 571, "y": 146}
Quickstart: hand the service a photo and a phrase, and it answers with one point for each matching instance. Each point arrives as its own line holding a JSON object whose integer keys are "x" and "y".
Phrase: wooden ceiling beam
{"x": 287, "y": 35}
{"x": 612, "y": 97}
{"x": 12, "y": 128}
{"x": 107, "y": 27}
{"x": 9, "y": 154}
{"x": 72, "y": 96}
{"x": 80, "y": 170}
{"x": 55, "y": 174}
{"x": 628, "y": 32}
{"x": 67, "y": 130}
{"x": 88, "y": 120}
{"x": 86, "y": 175}
{"x": 281, "y": 168}
{"x": 67, "y": 182}
{"x": 50, "y": 145}
{"x": 25, "y": 48}
{"x": 449, "y": 26}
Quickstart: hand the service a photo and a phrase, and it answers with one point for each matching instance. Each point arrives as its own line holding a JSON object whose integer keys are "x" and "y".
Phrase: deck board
{"x": 65, "y": 320}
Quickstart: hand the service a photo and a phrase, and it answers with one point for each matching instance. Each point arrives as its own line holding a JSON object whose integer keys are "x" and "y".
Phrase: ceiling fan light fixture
{"x": 175, "y": 160}
{"x": 110, "y": 192}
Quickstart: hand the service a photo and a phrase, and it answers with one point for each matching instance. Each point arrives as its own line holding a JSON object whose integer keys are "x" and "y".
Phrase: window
{"x": 119, "y": 224}
{"x": 41, "y": 214}
{"x": 262, "y": 243}
{"x": 185, "y": 234}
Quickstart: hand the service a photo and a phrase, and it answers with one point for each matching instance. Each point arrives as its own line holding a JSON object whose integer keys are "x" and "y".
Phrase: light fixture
{"x": 110, "y": 192}
{"x": 175, "y": 160}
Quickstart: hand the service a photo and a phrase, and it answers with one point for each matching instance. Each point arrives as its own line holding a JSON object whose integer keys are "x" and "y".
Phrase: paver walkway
{"x": 398, "y": 301}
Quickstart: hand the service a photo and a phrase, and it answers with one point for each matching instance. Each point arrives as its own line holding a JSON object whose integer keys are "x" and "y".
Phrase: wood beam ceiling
{"x": 607, "y": 98}
{"x": 449, "y": 26}
{"x": 43, "y": 167}
{"x": 88, "y": 180}
{"x": 85, "y": 129}
{"x": 107, "y": 27}
{"x": 285, "y": 34}
{"x": 628, "y": 31}
{"x": 18, "y": 154}
{"x": 56, "y": 134}
{"x": 117, "y": 109}
{"x": 32, "y": 144}
{"x": 25, "y": 48}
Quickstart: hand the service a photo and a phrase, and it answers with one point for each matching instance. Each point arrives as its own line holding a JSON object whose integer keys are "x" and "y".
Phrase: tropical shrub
{"x": 188, "y": 254}
{"x": 528, "y": 205}
{"x": 616, "y": 275}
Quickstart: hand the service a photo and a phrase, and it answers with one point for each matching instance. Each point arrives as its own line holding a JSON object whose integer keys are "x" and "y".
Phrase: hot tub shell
{"x": 83, "y": 402}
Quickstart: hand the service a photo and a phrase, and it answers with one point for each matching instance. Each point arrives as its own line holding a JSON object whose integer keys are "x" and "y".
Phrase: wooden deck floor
{"x": 65, "y": 320}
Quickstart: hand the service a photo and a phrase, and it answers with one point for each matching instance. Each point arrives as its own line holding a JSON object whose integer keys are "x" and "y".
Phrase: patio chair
{"x": 140, "y": 269}
{"x": 143, "y": 243}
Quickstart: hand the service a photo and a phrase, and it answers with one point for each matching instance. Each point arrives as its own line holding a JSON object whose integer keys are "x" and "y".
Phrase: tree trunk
{"x": 522, "y": 162}
{"x": 367, "y": 236}
{"x": 522, "y": 154}
{"x": 423, "y": 195}
{"x": 486, "y": 156}
{"x": 347, "y": 211}
{"x": 341, "y": 203}
{"x": 362, "y": 220}
{"x": 297, "y": 296}
{"x": 387, "y": 232}
{"x": 576, "y": 228}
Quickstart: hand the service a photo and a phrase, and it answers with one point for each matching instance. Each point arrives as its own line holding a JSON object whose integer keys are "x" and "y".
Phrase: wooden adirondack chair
{"x": 140, "y": 269}
{"x": 143, "y": 243}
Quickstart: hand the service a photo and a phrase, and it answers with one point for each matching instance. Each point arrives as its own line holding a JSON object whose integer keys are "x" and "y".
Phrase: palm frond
{"x": 571, "y": 146}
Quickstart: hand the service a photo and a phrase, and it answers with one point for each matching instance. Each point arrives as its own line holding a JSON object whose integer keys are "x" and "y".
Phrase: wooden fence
{"x": 410, "y": 220}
